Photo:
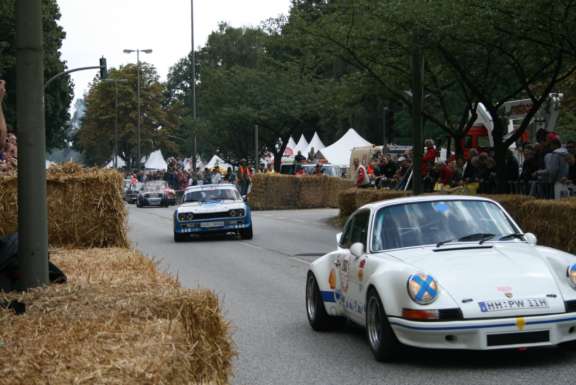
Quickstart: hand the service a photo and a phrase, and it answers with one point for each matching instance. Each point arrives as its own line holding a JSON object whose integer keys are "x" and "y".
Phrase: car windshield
{"x": 155, "y": 186}
{"x": 438, "y": 222}
{"x": 326, "y": 170}
{"x": 211, "y": 195}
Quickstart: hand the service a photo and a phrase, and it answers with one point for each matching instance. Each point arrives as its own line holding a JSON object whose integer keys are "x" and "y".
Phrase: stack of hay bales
{"x": 117, "y": 321}
{"x": 85, "y": 207}
{"x": 283, "y": 192}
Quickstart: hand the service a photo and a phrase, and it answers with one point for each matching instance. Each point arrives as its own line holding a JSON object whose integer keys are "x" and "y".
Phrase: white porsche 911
{"x": 443, "y": 272}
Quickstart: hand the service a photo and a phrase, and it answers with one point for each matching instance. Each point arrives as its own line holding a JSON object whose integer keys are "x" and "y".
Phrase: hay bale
{"x": 334, "y": 188}
{"x": 312, "y": 191}
{"x": 551, "y": 221}
{"x": 117, "y": 321}
{"x": 347, "y": 203}
{"x": 85, "y": 207}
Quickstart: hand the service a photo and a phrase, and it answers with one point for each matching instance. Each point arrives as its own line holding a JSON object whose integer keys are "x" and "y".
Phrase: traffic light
{"x": 103, "y": 68}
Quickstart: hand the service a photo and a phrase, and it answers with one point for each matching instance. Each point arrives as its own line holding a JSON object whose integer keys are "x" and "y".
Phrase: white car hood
{"x": 511, "y": 270}
{"x": 210, "y": 206}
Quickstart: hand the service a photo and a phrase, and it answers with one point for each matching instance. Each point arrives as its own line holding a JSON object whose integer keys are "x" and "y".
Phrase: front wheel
{"x": 381, "y": 337}
{"x": 246, "y": 233}
{"x": 317, "y": 317}
{"x": 179, "y": 237}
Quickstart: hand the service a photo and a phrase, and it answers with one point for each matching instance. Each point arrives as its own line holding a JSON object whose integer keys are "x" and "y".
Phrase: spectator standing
{"x": 244, "y": 177}
{"x": 215, "y": 176}
{"x": 571, "y": 148}
{"x": 555, "y": 173}
{"x": 360, "y": 174}
{"x": 230, "y": 177}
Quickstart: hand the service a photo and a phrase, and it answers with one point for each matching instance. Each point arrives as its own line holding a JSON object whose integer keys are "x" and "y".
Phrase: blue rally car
{"x": 212, "y": 209}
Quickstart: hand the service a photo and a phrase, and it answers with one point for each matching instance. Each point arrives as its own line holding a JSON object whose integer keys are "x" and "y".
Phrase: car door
{"x": 350, "y": 266}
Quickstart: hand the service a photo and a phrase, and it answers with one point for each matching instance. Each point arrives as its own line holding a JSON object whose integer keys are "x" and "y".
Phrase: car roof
{"x": 424, "y": 198}
{"x": 210, "y": 187}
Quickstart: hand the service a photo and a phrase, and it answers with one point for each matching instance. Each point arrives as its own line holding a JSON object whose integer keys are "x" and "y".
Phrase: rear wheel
{"x": 381, "y": 337}
{"x": 317, "y": 317}
{"x": 138, "y": 203}
{"x": 246, "y": 233}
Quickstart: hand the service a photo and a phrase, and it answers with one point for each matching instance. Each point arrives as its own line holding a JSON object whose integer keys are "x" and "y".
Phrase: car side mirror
{"x": 531, "y": 239}
{"x": 338, "y": 237}
{"x": 357, "y": 249}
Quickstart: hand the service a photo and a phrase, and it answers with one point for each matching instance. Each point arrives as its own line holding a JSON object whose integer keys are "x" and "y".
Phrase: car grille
{"x": 518, "y": 338}
{"x": 223, "y": 214}
{"x": 570, "y": 306}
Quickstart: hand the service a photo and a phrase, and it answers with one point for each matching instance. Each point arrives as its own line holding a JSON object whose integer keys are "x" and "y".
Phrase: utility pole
{"x": 32, "y": 207}
{"x": 116, "y": 81}
{"x": 417, "y": 98}
{"x": 193, "y": 83}
{"x": 256, "y": 156}
{"x": 385, "y": 113}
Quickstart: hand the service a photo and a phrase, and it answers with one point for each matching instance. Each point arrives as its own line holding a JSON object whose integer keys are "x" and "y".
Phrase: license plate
{"x": 513, "y": 304}
{"x": 212, "y": 224}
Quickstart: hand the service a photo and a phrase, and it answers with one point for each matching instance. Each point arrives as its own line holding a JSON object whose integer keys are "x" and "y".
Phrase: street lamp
{"x": 139, "y": 159}
{"x": 116, "y": 81}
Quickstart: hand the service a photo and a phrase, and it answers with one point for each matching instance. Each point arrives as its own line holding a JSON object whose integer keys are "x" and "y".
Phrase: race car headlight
{"x": 571, "y": 273}
{"x": 236, "y": 213}
{"x": 422, "y": 288}
{"x": 185, "y": 217}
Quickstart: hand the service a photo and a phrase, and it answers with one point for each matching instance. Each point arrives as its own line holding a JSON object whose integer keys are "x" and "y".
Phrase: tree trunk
{"x": 500, "y": 155}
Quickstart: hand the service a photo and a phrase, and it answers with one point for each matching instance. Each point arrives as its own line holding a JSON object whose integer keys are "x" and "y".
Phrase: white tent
{"x": 156, "y": 161}
{"x": 188, "y": 163}
{"x": 217, "y": 161}
{"x": 289, "y": 151}
{"x": 120, "y": 162}
{"x": 315, "y": 143}
{"x": 339, "y": 152}
{"x": 301, "y": 146}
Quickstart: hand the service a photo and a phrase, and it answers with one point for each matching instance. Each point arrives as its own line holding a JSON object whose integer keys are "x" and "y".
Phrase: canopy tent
{"x": 289, "y": 151}
{"x": 339, "y": 152}
{"x": 156, "y": 161}
{"x": 119, "y": 161}
{"x": 301, "y": 146}
{"x": 216, "y": 161}
{"x": 315, "y": 144}
{"x": 188, "y": 163}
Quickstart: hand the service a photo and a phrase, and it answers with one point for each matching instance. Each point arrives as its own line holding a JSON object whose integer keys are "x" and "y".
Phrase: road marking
{"x": 300, "y": 260}
{"x": 251, "y": 245}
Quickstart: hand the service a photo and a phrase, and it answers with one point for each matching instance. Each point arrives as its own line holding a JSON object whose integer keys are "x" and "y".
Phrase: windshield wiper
{"x": 444, "y": 242}
{"x": 482, "y": 237}
{"x": 512, "y": 236}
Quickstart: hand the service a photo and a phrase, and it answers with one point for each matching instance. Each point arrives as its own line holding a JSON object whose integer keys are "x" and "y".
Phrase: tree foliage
{"x": 95, "y": 138}
{"x": 59, "y": 95}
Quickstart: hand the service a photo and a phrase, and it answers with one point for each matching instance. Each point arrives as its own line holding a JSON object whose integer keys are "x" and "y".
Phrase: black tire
{"x": 138, "y": 203}
{"x": 317, "y": 317}
{"x": 180, "y": 237}
{"x": 381, "y": 337}
{"x": 247, "y": 233}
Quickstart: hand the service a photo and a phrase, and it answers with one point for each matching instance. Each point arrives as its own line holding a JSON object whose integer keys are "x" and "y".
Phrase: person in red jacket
{"x": 429, "y": 157}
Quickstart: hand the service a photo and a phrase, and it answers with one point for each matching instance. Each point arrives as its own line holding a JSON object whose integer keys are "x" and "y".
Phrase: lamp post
{"x": 139, "y": 156}
{"x": 193, "y": 83}
{"x": 116, "y": 81}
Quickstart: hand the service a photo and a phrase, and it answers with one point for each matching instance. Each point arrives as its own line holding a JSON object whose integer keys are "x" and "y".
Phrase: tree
{"x": 60, "y": 93}
{"x": 95, "y": 138}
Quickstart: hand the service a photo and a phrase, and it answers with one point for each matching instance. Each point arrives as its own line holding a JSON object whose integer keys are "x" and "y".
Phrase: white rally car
{"x": 443, "y": 272}
{"x": 210, "y": 209}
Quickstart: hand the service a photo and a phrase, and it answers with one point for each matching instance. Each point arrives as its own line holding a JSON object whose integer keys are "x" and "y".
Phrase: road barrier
{"x": 552, "y": 221}
{"x": 85, "y": 207}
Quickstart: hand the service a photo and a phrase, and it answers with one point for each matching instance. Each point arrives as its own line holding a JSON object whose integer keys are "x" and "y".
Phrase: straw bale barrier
{"x": 117, "y": 321}
{"x": 85, "y": 207}
{"x": 550, "y": 220}
{"x": 283, "y": 192}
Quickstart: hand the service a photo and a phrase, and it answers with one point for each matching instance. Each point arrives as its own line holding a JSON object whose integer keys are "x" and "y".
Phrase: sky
{"x": 107, "y": 27}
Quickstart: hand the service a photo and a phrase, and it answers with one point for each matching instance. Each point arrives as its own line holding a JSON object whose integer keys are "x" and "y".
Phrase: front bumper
{"x": 212, "y": 226}
{"x": 488, "y": 334}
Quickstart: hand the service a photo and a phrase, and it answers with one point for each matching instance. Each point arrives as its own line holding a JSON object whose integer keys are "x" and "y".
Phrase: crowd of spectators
{"x": 179, "y": 177}
{"x": 8, "y": 144}
{"x": 545, "y": 169}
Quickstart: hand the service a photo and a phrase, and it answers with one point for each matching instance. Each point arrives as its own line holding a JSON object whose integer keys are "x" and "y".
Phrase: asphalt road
{"x": 261, "y": 285}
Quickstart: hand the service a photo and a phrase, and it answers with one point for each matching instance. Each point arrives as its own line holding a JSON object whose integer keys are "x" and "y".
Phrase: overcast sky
{"x": 106, "y": 27}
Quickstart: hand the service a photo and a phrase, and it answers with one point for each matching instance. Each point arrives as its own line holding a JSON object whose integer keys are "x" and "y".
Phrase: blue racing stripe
{"x": 327, "y": 296}
{"x": 480, "y": 326}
